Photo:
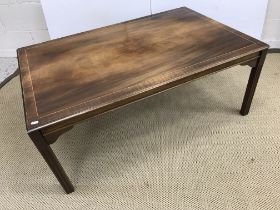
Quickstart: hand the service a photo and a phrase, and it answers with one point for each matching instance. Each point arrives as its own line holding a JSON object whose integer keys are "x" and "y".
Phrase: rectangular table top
{"x": 96, "y": 71}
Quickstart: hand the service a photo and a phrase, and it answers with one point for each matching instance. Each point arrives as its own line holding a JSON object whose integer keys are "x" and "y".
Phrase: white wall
{"x": 77, "y": 16}
{"x": 21, "y": 23}
{"x": 271, "y": 31}
{"x": 238, "y": 14}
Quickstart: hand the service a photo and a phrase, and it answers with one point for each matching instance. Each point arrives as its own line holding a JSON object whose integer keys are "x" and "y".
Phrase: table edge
{"x": 94, "y": 112}
{"x": 23, "y": 64}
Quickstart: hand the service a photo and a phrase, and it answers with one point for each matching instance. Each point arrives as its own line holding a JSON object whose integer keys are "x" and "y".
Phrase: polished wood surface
{"x": 83, "y": 73}
{"x": 68, "y": 80}
{"x": 252, "y": 83}
{"x": 52, "y": 161}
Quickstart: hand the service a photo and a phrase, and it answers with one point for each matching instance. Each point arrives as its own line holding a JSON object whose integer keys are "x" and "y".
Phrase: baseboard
{"x": 274, "y": 50}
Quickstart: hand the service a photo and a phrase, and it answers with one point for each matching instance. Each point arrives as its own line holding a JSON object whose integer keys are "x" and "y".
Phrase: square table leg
{"x": 52, "y": 161}
{"x": 252, "y": 84}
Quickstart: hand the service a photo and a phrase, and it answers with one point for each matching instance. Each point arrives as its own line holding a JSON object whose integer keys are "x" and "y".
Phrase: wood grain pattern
{"x": 52, "y": 161}
{"x": 71, "y": 79}
{"x": 252, "y": 84}
{"x": 81, "y": 75}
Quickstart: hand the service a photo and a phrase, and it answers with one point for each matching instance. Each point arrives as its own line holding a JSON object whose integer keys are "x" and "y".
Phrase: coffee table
{"x": 71, "y": 79}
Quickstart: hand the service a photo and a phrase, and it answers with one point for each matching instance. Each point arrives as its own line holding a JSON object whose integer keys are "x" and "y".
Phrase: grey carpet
{"x": 187, "y": 148}
{"x": 8, "y": 69}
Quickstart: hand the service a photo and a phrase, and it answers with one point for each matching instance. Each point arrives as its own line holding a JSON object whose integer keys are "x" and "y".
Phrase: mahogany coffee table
{"x": 71, "y": 79}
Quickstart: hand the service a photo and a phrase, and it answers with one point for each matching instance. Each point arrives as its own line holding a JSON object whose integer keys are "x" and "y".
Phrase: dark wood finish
{"x": 51, "y": 160}
{"x": 52, "y": 136}
{"x": 251, "y": 63}
{"x": 252, "y": 84}
{"x": 79, "y": 74}
{"x": 273, "y": 50}
{"x": 78, "y": 77}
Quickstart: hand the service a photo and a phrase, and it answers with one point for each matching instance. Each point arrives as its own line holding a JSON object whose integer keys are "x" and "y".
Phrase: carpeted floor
{"x": 187, "y": 148}
{"x": 8, "y": 69}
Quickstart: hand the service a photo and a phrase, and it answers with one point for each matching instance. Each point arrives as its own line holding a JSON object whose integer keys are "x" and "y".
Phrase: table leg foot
{"x": 252, "y": 84}
{"x": 51, "y": 160}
